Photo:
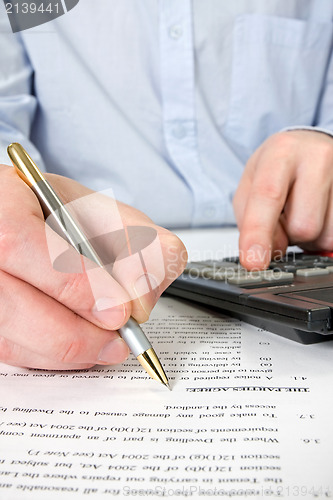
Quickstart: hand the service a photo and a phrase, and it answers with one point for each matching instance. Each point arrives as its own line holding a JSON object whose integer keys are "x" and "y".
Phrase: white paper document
{"x": 250, "y": 414}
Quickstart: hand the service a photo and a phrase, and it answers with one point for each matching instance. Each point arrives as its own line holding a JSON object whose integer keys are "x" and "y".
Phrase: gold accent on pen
{"x": 153, "y": 367}
{"x": 131, "y": 332}
{"x": 24, "y": 165}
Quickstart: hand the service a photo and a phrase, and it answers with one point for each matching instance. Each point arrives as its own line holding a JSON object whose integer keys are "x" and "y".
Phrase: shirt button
{"x": 179, "y": 131}
{"x": 175, "y": 31}
{"x": 210, "y": 212}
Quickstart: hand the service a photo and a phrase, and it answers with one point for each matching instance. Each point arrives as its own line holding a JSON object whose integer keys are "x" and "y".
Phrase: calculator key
{"x": 276, "y": 276}
{"x": 195, "y": 265}
{"x": 205, "y": 263}
{"x": 196, "y": 270}
{"x": 308, "y": 257}
{"x": 211, "y": 264}
{"x": 227, "y": 265}
{"x": 268, "y": 274}
{"x": 245, "y": 279}
{"x": 222, "y": 273}
{"x": 311, "y": 271}
{"x": 289, "y": 268}
{"x": 232, "y": 259}
{"x": 325, "y": 258}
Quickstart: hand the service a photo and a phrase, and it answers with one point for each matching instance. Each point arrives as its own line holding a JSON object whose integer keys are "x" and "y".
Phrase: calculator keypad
{"x": 281, "y": 271}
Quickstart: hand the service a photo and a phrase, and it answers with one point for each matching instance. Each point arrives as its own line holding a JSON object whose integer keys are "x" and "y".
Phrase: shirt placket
{"x": 179, "y": 115}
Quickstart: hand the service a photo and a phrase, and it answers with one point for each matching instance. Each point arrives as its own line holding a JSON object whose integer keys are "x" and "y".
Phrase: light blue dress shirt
{"x": 164, "y": 101}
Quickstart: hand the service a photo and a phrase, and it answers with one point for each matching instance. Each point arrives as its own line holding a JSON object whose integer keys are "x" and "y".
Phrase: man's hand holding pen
{"x": 53, "y": 318}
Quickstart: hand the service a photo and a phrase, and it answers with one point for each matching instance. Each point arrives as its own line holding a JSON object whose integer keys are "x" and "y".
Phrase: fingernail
{"x": 147, "y": 283}
{"x": 109, "y": 312}
{"x": 256, "y": 254}
{"x": 114, "y": 352}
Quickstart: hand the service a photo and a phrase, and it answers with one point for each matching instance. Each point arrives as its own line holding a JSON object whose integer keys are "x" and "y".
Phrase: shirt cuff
{"x": 308, "y": 127}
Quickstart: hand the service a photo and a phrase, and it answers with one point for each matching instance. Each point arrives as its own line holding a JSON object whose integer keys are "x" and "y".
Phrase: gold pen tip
{"x": 153, "y": 367}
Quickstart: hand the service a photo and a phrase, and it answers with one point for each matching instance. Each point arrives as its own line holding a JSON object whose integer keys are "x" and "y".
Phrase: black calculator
{"x": 293, "y": 297}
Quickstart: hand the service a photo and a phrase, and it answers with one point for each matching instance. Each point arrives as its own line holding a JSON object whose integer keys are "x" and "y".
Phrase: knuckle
{"x": 8, "y": 303}
{"x": 303, "y": 230}
{"x": 10, "y": 236}
{"x": 326, "y": 152}
{"x": 176, "y": 254}
{"x": 173, "y": 259}
{"x": 71, "y": 351}
{"x": 6, "y": 350}
{"x": 269, "y": 190}
{"x": 70, "y": 290}
{"x": 178, "y": 246}
{"x": 3, "y": 303}
{"x": 284, "y": 142}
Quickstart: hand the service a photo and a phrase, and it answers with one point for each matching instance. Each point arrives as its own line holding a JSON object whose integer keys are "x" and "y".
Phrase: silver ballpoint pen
{"x": 50, "y": 202}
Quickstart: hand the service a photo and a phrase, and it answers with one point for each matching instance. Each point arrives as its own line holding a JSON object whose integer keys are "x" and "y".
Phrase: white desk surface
{"x": 211, "y": 243}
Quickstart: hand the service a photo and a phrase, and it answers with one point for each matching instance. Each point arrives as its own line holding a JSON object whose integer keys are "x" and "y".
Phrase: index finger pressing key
{"x": 265, "y": 201}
